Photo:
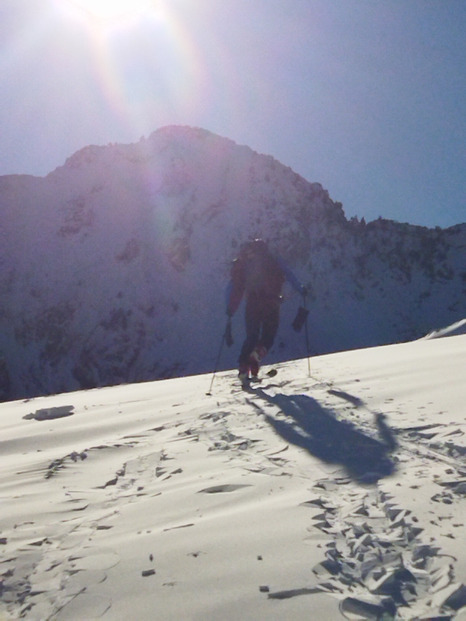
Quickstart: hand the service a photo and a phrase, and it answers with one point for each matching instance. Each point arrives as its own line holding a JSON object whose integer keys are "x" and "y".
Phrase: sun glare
{"x": 108, "y": 12}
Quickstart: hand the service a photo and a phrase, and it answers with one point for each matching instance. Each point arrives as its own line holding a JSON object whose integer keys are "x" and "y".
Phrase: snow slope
{"x": 339, "y": 495}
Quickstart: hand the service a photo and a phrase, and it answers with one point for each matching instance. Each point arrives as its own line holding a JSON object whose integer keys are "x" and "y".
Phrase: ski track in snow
{"x": 368, "y": 523}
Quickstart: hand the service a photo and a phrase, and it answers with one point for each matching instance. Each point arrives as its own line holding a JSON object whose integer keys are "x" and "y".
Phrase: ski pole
{"x": 306, "y": 332}
{"x": 217, "y": 362}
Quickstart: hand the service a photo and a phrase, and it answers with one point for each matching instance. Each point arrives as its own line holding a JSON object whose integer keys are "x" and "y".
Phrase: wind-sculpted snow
{"x": 113, "y": 268}
{"x": 457, "y": 328}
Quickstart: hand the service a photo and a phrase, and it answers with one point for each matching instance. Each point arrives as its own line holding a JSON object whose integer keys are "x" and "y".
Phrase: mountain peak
{"x": 114, "y": 266}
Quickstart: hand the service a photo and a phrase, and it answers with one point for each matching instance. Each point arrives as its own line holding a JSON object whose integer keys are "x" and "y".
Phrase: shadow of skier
{"x": 315, "y": 428}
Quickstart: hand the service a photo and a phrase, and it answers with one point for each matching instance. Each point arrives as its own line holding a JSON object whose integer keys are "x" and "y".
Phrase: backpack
{"x": 262, "y": 274}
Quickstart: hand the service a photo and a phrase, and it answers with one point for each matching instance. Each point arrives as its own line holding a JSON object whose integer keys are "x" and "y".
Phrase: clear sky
{"x": 366, "y": 97}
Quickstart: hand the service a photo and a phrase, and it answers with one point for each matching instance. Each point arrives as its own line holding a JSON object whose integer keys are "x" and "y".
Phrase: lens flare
{"x": 108, "y": 12}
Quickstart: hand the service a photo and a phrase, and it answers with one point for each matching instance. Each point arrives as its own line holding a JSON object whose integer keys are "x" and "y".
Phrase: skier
{"x": 259, "y": 276}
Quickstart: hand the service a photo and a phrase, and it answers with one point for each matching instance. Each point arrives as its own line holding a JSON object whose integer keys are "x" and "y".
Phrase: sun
{"x": 108, "y": 12}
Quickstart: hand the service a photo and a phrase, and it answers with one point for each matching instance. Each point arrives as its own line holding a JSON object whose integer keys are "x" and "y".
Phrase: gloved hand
{"x": 300, "y": 319}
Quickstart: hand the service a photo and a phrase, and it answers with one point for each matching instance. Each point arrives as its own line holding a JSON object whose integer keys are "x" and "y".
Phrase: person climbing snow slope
{"x": 259, "y": 276}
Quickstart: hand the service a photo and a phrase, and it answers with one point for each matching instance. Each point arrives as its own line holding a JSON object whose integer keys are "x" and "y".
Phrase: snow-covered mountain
{"x": 113, "y": 267}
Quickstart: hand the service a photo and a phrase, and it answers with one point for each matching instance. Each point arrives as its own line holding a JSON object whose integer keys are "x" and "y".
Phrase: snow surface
{"x": 339, "y": 495}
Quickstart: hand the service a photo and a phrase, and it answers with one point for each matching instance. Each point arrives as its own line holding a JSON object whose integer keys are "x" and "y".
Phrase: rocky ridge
{"x": 114, "y": 266}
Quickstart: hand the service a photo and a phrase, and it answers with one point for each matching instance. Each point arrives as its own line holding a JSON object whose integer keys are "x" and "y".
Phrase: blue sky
{"x": 367, "y": 97}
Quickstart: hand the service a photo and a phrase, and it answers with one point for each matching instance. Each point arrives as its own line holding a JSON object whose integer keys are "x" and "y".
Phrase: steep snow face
{"x": 114, "y": 266}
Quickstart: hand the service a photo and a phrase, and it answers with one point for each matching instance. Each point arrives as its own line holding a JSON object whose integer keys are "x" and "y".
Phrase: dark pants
{"x": 262, "y": 318}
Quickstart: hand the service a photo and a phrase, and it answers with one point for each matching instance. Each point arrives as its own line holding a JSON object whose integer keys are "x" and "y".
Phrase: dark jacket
{"x": 261, "y": 276}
